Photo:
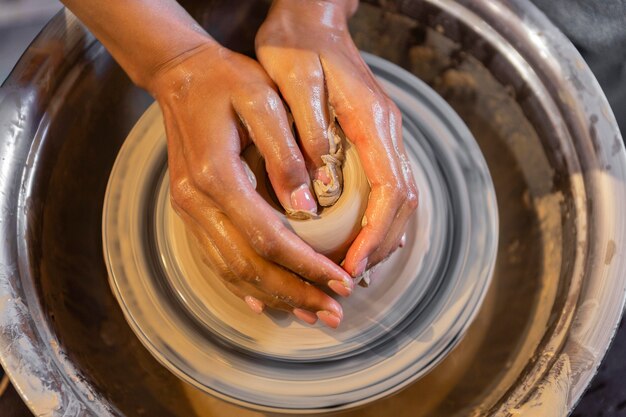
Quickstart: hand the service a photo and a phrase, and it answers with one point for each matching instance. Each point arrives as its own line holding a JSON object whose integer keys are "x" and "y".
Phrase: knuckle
{"x": 312, "y": 297}
{"x": 273, "y": 302}
{"x": 206, "y": 177}
{"x": 412, "y": 199}
{"x": 267, "y": 247}
{"x": 375, "y": 101}
{"x": 394, "y": 110}
{"x": 395, "y": 192}
{"x": 181, "y": 193}
{"x": 391, "y": 105}
{"x": 276, "y": 303}
{"x": 412, "y": 202}
{"x": 290, "y": 164}
{"x": 239, "y": 270}
{"x": 315, "y": 139}
{"x": 309, "y": 75}
{"x": 224, "y": 271}
{"x": 293, "y": 299}
{"x": 270, "y": 249}
{"x": 295, "y": 296}
{"x": 262, "y": 99}
{"x": 259, "y": 94}
{"x": 226, "y": 274}
{"x": 377, "y": 233}
{"x": 371, "y": 104}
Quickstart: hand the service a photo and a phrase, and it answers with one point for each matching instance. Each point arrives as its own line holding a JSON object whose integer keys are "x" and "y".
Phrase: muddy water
{"x": 92, "y": 332}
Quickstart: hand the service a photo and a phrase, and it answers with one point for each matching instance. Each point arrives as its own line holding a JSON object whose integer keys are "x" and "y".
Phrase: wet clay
{"x": 328, "y": 194}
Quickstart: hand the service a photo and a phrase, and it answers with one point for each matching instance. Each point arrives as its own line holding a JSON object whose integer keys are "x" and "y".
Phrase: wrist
{"x": 175, "y": 75}
{"x": 166, "y": 54}
{"x": 332, "y": 13}
{"x": 171, "y": 73}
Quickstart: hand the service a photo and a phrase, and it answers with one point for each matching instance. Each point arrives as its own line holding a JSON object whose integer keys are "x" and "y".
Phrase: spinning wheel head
{"x": 419, "y": 304}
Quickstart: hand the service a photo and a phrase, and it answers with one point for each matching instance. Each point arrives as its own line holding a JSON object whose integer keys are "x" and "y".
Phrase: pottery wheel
{"x": 416, "y": 309}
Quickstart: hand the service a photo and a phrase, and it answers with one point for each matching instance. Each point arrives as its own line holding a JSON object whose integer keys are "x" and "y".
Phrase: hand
{"x": 214, "y": 102}
{"x": 305, "y": 47}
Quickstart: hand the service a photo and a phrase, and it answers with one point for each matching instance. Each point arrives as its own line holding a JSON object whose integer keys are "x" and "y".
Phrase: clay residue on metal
{"x": 25, "y": 360}
{"x": 610, "y": 252}
{"x": 551, "y": 397}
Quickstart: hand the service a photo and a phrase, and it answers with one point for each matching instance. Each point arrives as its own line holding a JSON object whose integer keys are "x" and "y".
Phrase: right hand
{"x": 215, "y": 102}
{"x": 306, "y": 48}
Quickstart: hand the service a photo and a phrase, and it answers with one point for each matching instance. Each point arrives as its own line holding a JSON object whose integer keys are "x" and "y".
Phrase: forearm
{"x": 347, "y": 7}
{"x": 142, "y": 35}
{"x": 317, "y": 14}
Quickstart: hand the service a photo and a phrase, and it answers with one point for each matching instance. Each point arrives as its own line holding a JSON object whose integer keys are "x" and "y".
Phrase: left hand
{"x": 305, "y": 47}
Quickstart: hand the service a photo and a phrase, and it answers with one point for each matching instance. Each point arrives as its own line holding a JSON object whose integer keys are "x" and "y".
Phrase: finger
{"x": 378, "y": 218}
{"x": 184, "y": 192}
{"x": 266, "y": 120}
{"x": 212, "y": 256}
{"x": 280, "y": 289}
{"x": 264, "y": 230}
{"x": 397, "y": 232}
{"x": 305, "y": 92}
{"x": 244, "y": 291}
{"x": 258, "y": 282}
{"x": 365, "y": 114}
{"x": 255, "y": 298}
{"x": 395, "y": 122}
{"x": 253, "y": 301}
{"x": 395, "y": 238}
{"x": 237, "y": 261}
{"x": 299, "y": 294}
{"x": 225, "y": 180}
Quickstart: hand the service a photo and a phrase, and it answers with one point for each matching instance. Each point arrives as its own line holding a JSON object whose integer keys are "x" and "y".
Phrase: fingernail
{"x": 254, "y": 304}
{"x": 302, "y": 200}
{"x": 305, "y": 316}
{"x": 360, "y": 267}
{"x": 403, "y": 240}
{"x": 321, "y": 174}
{"x": 342, "y": 288}
{"x": 329, "y": 318}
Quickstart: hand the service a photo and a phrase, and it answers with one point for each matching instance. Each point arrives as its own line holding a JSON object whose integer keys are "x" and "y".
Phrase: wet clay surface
{"x": 92, "y": 332}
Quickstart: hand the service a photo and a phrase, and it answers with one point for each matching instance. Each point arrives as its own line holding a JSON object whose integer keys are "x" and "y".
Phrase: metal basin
{"x": 545, "y": 129}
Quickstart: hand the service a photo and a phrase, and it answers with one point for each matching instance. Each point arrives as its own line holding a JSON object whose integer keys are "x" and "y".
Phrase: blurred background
{"x": 21, "y": 21}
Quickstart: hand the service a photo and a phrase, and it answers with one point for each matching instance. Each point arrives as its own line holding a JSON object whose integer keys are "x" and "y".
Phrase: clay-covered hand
{"x": 215, "y": 102}
{"x": 305, "y": 47}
